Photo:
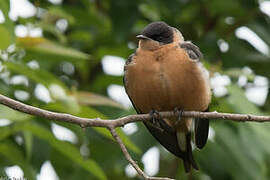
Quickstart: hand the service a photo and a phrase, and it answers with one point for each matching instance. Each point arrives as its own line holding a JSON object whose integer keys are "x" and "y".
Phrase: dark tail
{"x": 201, "y": 131}
{"x": 189, "y": 162}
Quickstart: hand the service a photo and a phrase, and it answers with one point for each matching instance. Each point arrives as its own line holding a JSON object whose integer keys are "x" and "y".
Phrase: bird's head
{"x": 157, "y": 34}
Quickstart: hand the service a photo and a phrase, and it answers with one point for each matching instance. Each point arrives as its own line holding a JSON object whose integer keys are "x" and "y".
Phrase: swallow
{"x": 165, "y": 74}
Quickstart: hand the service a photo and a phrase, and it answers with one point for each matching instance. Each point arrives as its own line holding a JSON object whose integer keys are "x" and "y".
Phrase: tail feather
{"x": 177, "y": 143}
{"x": 201, "y": 131}
{"x": 189, "y": 161}
{"x": 187, "y": 165}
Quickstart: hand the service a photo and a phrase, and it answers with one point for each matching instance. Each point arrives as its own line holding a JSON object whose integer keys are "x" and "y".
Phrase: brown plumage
{"x": 163, "y": 74}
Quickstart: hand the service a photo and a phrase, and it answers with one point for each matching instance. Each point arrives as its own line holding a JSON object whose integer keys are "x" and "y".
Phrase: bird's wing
{"x": 192, "y": 50}
{"x": 201, "y": 125}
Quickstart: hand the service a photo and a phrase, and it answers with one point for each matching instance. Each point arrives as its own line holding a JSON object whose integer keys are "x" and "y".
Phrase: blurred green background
{"x": 67, "y": 56}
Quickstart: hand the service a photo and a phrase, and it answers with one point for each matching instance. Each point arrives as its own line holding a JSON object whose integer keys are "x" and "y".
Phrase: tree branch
{"x": 130, "y": 160}
{"x": 97, "y": 122}
{"x": 112, "y": 124}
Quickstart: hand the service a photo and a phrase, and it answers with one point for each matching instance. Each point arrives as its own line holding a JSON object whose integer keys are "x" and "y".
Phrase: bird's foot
{"x": 160, "y": 123}
{"x": 179, "y": 114}
{"x": 155, "y": 117}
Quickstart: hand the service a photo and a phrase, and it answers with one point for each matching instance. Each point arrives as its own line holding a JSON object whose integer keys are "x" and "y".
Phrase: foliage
{"x": 98, "y": 28}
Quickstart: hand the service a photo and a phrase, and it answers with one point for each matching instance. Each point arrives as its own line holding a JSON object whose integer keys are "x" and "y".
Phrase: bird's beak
{"x": 142, "y": 37}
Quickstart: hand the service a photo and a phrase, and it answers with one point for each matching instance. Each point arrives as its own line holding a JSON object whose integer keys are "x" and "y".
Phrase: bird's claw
{"x": 179, "y": 114}
{"x": 160, "y": 123}
{"x": 155, "y": 117}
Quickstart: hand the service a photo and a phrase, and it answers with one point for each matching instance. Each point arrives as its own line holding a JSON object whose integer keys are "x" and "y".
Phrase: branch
{"x": 112, "y": 124}
{"x": 97, "y": 122}
{"x": 130, "y": 160}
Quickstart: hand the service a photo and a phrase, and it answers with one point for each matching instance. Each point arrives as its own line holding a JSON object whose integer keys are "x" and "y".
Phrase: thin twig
{"x": 112, "y": 124}
{"x": 130, "y": 160}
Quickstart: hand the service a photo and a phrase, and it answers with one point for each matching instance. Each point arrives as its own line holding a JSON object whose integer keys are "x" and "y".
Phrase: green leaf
{"x": 4, "y": 6}
{"x": 8, "y": 24}
{"x": 37, "y": 75}
{"x": 5, "y": 36}
{"x": 242, "y": 143}
{"x": 12, "y": 115}
{"x": 89, "y": 98}
{"x": 68, "y": 150}
{"x": 65, "y": 148}
{"x": 74, "y": 109}
{"x": 57, "y": 13}
{"x": 240, "y": 158}
{"x": 6, "y": 131}
{"x": 262, "y": 31}
{"x": 102, "y": 81}
{"x": 54, "y": 31}
{"x": 12, "y": 152}
{"x": 41, "y": 46}
{"x": 28, "y": 141}
{"x": 240, "y": 103}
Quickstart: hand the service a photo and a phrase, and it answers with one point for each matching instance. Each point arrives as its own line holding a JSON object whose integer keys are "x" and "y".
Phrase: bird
{"x": 165, "y": 74}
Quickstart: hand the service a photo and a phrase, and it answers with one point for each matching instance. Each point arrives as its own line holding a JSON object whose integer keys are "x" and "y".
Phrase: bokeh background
{"x": 68, "y": 56}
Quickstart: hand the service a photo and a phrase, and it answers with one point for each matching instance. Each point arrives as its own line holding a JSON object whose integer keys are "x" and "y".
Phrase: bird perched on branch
{"x": 165, "y": 74}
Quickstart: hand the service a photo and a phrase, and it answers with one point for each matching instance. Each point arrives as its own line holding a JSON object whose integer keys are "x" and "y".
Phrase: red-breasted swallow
{"x": 164, "y": 74}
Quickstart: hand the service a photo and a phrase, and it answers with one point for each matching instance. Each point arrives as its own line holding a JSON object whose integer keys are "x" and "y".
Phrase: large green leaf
{"x": 240, "y": 103}
{"x": 42, "y": 47}
{"x": 28, "y": 141}
{"x": 37, "y": 75}
{"x": 89, "y": 98}
{"x": 4, "y": 6}
{"x": 261, "y": 29}
{"x": 102, "y": 81}
{"x": 241, "y": 143}
{"x": 10, "y": 114}
{"x": 5, "y": 37}
{"x": 10, "y": 151}
{"x": 69, "y": 150}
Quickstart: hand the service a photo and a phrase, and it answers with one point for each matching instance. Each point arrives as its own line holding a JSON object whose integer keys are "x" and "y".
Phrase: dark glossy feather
{"x": 201, "y": 131}
{"x": 192, "y": 50}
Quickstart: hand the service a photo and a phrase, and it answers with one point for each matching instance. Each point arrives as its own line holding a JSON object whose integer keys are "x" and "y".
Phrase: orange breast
{"x": 165, "y": 79}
